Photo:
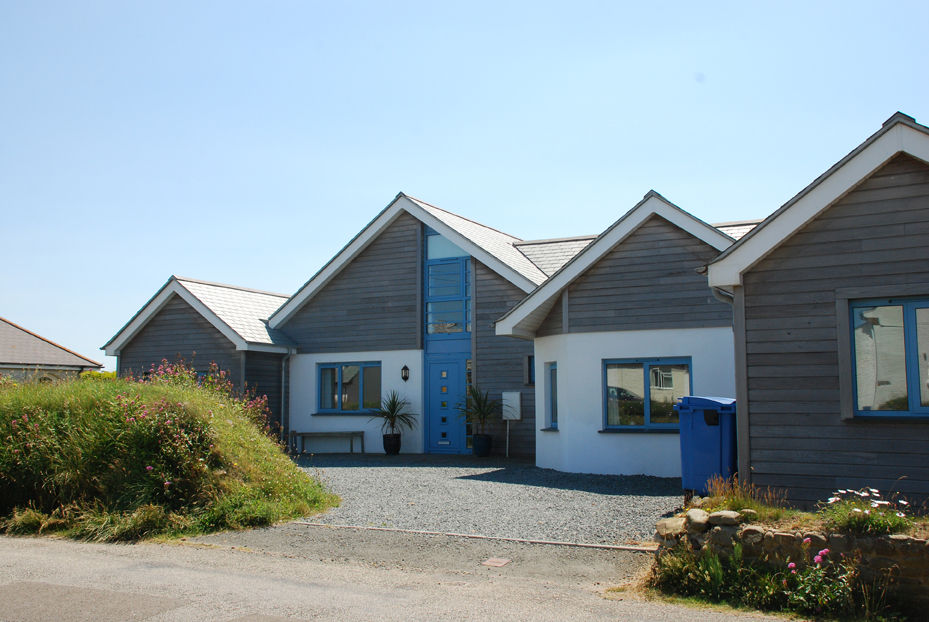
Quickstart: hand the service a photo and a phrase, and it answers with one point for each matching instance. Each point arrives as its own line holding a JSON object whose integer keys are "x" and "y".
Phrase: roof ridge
{"x": 474, "y": 222}
{"x": 575, "y": 238}
{"x": 228, "y": 286}
{"x": 49, "y": 341}
{"x": 731, "y": 223}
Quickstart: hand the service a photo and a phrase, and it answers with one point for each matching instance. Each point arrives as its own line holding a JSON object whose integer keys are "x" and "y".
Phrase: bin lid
{"x": 696, "y": 402}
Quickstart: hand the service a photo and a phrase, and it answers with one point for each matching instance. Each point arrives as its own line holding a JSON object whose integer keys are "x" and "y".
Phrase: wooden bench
{"x": 351, "y": 436}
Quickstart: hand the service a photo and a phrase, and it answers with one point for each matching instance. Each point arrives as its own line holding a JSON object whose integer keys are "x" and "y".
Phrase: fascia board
{"x": 264, "y": 347}
{"x": 465, "y": 243}
{"x": 727, "y": 272}
{"x": 174, "y": 288}
{"x": 335, "y": 265}
{"x": 511, "y": 324}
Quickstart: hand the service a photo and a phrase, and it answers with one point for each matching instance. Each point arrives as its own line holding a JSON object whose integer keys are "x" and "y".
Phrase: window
{"x": 530, "y": 369}
{"x": 447, "y": 288}
{"x": 641, "y": 393}
{"x": 890, "y": 356}
{"x": 552, "y": 410}
{"x": 349, "y": 387}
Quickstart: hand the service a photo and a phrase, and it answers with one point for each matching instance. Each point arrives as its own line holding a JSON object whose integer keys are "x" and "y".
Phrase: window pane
{"x": 880, "y": 361}
{"x": 350, "y": 388}
{"x": 437, "y": 247}
{"x": 922, "y": 353}
{"x": 328, "y": 388}
{"x": 445, "y": 280}
{"x": 625, "y": 391}
{"x": 668, "y": 384}
{"x": 445, "y": 317}
{"x": 372, "y": 387}
{"x": 554, "y": 390}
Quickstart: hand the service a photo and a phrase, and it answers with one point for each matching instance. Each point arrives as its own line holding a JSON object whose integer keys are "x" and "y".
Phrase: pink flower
{"x": 167, "y": 483}
{"x": 791, "y": 565}
{"x": 824, "y": 552}
{"x": 806, "y": 541}
{"x": 149, "y": 468}
{"x": 818, "y": 559}
{"x": 793, "y": 572}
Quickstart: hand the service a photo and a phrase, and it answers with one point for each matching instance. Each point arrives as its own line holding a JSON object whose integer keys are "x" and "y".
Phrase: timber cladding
{"x": 372, "y": 303}
{"x": 500, "y": 362}
{"x": 648, "y": 281}
{"x": 176, "y": 332}
{"x": 263, "y": 375}
{"x": 876, "y": 236}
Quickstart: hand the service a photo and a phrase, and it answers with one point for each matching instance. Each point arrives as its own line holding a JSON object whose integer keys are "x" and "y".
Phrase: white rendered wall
{"x": 304, "y": 399}
{"x": 578, "y": 446}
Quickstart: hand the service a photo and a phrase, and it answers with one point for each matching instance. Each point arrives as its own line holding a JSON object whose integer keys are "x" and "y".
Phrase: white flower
{"x": 842, "y": 492}
{"x": 902, "y": 502}
{"x": 833, "y": 499}
{"x": 901, "y": 514}
{"x": 882, "y": 502}
{"x": 864, "y": 494}
{"x": 874, "y": 490}
{"x": 856, "y": 510}
{"x": 874, "y": 504}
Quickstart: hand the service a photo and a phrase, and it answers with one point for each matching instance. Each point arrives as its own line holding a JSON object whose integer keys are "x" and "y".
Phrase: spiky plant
{"x": 478, "y": 407}
{"x": 393, "y": 414}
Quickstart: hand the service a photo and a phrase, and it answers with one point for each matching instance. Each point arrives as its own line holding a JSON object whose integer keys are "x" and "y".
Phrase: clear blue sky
{"x": 246, "y": 143}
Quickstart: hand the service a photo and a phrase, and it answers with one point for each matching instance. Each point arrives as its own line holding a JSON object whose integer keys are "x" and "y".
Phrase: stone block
{"x": 725, "y": 517}
{"x": 748, "y": 515}
{"x": 817, "y": 541}
{"x": 839, "y": 543}
{"x": 697, "y": 521}
{"x": 752, "y": 535}
{"x": 670, "y": 528}
{"x": 723, "y": 535}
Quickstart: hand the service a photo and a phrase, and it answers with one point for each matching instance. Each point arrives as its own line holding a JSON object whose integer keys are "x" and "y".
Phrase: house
{"x": 25, "y": 355}
{"x": 831, "y": 318}
{"x": 200, "y": 323}
{"x": 408, "y": 304}
{"x": 622, "y": 331}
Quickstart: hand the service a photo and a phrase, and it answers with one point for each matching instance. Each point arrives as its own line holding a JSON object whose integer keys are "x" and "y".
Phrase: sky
{"x": 247, "y": 142}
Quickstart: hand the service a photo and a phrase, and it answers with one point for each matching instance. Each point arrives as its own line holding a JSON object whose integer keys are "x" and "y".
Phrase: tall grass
{"x": 112, "y": 459}
{"x": 735, "y": 494}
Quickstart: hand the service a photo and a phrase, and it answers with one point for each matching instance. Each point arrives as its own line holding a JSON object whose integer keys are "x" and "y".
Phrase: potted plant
{"x": 394, "y": 417}
{"x": 476, "y": 409}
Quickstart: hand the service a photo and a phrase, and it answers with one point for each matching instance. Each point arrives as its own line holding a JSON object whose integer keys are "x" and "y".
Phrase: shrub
{"x": 864, "y": 512}
{"x": 123, "y": 459}
{"x": 735, "y": 494}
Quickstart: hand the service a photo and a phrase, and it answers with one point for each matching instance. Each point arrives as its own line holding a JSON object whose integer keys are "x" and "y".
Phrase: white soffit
{"x": 904, "y": 135}
{"x": 164, "y": 295}
{"x": 524, "y": 318}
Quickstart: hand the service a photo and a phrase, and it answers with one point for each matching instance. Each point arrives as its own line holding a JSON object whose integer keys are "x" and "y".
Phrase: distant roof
{"x": 239, "y": 313}
{"x": 550, "y": 255}
{"x": 737, "y": 228}
{"x": 501, "y": 245}
{"x": 19, "y": 346}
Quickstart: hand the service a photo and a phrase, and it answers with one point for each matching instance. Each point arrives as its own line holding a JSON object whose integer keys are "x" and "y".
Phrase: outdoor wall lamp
{"x": 405, "y": 373}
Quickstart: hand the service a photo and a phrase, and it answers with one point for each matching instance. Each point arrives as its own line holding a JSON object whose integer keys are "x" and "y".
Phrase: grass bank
{"x": 106, "y": 459}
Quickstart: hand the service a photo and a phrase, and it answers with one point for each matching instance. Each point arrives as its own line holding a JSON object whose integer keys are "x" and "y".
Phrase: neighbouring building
{"x": 25, "y": 356}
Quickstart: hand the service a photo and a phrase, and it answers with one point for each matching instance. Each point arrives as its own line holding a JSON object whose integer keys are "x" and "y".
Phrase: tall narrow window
{"x": 447, "y": 288}
{"x": 552, "y": 396}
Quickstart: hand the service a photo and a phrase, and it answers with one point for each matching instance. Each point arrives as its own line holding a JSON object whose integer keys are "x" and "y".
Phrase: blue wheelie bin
{"x": 708, "y": 442}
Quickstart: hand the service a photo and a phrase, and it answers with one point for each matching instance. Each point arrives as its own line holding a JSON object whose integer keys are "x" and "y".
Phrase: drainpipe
{"x": 290, "y": 352}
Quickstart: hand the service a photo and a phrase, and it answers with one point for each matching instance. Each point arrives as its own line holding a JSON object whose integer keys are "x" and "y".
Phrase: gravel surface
{"x": 503, "y": 498}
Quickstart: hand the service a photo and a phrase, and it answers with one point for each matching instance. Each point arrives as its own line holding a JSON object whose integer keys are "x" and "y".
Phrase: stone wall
{"x": 905, "y": 556}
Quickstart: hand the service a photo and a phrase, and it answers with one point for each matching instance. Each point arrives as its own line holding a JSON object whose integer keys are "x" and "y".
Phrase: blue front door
{"x": 444, "y": 391}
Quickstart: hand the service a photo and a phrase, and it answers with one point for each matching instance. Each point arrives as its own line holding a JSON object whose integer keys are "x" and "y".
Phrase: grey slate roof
{"x": 19, "y": 346}
{"x": 550, "y": 255}
{"x": 243, "y": 310}
{"x": 737, "y": 229}
{"x": 500, "y": 245}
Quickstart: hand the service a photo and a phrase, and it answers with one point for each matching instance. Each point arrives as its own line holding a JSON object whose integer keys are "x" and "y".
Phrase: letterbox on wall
{"x": 512, "y": 410}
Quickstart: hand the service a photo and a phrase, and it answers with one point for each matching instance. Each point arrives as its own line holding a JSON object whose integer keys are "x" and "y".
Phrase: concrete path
{"x": 295, "y": 572}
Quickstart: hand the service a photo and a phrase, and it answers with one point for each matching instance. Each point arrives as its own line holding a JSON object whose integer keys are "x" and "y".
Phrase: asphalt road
{"x": 296, "y": 572}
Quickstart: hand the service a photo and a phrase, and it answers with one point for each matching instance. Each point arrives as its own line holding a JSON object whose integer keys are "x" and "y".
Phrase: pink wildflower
{"x": 167, "y": 483}
{"x": 791, "y": 565}
{"x": 149, "y": 468}
{"x": 806, "y": 541}
{"x": 824, "y": 552}
{"x": 818, "y": 559}
{"x": 793, "y": 572}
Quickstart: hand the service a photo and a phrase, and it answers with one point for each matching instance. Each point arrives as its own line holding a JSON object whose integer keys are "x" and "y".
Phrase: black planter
{"x": 391, "y": 444}
{"x": 481, "y": 444}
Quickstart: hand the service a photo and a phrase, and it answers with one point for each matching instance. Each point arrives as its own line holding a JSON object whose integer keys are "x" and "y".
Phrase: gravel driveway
{"x": 504, "y": 498}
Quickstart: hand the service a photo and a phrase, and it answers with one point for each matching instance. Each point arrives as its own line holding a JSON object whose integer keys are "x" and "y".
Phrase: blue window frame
{"x": 447, "y": 289}
{"x": 552, "y": 397}
{"x": 349, "y": 387}
{"x": 890, "y": 356}
{"x": 639, "y": 394}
